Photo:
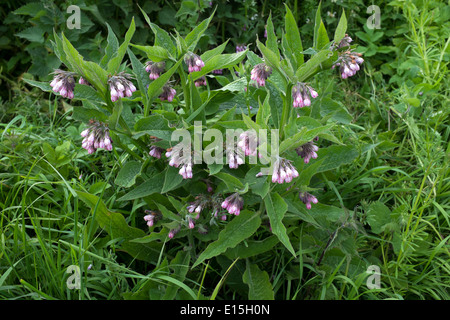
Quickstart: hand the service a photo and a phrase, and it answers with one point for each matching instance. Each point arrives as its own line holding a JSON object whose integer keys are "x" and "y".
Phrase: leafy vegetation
{"x": 380, "y": 175}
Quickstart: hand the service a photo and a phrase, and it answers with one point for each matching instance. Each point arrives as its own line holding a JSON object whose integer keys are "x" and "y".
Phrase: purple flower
{"x": 348, "y": 63}
{"x": 96, "y": 136}
{"x": 240, "y": 48}
{"x": 173, "y": 232}
{"x": 168, "y": 93}
{"x": 155, "y": 69}
{"x": 120, "y": 86}
{"x": 200, "y": 81}
{"x": 307, "y": 198}
{"x": 233, "y": 204}
{"x": 301, "y": 94}
{"x": 307, "y": 151}
{"x": 156, "y": 152}
{"x": 63, "y": 83}
{"x": 260, "y": 73}
{"x": 283, "y": 171}
{"x": 83, "y": 81}
{"x": 248, "y": 142}
{"x": 150, "y": 219}
{"x": 217, "y": 71}
{"x": 180, "y": 157}
{"x": 193, "y": 61}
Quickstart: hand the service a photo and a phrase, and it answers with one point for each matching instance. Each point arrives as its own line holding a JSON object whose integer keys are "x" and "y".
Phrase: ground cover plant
{"x": 296, "y": 160}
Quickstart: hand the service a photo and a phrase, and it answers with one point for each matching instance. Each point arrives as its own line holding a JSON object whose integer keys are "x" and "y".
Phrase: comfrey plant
{"x": 204, "y": 161}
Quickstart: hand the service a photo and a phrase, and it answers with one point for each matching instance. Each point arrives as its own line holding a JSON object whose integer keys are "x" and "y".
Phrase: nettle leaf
{"x": 276, "y": 207}
{"x": 128, "y": 173}
{"x": 259, "y": 286}
{"x": 339, "y": 34}
{"x": 116, "y": 60}
{"x": 237, "y": 230}
{"x": 379, "y": 218}
{"x": 293, "y": 37}
{"x": 115, "y": 225}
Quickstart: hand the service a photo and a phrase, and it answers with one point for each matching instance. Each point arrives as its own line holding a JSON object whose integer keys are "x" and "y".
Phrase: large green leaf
{"x": 237, "y": 230}
{"x": 149, "y": 187}
{"x": 341, "y": 28}
{"x": 293, "y": 37}
{"x": 128, "y": 173}
{"x": 276, "y": 207}
{"x": 115, "y": 225}
{"x": 259, "y": 286}
{"x": 116, "y": 60}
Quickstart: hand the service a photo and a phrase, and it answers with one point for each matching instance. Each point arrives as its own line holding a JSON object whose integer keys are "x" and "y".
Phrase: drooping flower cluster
{"x": 345, "y": 42}
{"x": 218, "y": 71}
{"x": 151, "y": 217}
{"x": 233, "y": 204}
{"x": 348, "y": 63}
{"x": 174, "y": 231}
{"x": 235, "y": 158}
{"x": 194, "y": 62}
{"x": 248, "y": 142}
{"x": 64, "y": 83}
{"x": 155, "y": 69}
{"x": 180, "y": 156}
{"x": 283, "y": 171}
{"x": 307, "y": 151}
{"x": 120, "y": 86}
{"x": 240, "y": 48}
{"x": 200, "y": 81}
{"x": 96, "y": 136}
{"x": 260, "y": 73}
{"x": 307, "y": 198}
{"x": 301, "y": 94}
{"x": 168, "y": 93}
{"x": 155, "y": 151}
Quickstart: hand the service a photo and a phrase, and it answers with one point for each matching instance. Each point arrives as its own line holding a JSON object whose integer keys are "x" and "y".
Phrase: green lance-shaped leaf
{"x": 112, "y": 47}
{"x": 149, "y": 187}
{"x": 293, "y": 37}
{"x": 154, "y": 53}
{"x": 259, "y": 286}
{"x": 220, "y": 61}
{"x": 194, "y": 36}
{"x": 341, "y": 28}
{"x": 237, "y": 230}
{"x": 114, "y": 63}
{"x": 115, "y": 225}
{"x": 276, "y": 207}
{"x": 128, "y": 173}
{"x": 271, "y": 42}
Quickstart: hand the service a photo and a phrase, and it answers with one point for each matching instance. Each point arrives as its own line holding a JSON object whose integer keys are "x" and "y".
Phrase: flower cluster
{"x": 307, "y": 198}
{"x": 217, "y": 71}
{"x": 174, "y": 231}
{"x": 307, "y": 151}
{"x": 168, "y": 93}
{"x": 248, "y": 142}
{"x": 194, "y": 62}
{"x": 121, "y": 86}
{"x": 283, "y": 171}
{"x": 155, "y": 69}
{"x": 151, "y": 217}
{"x": 240, "y": 48}
{"x": 260, "y": 73}
{"x": 200, "y": 81}
{"x": 301, "y": 94}
{"x": 235, "y": 158}
{"x": 348, "y": 63}
{"x": 64, "y": 83}
{"x": 233, "y": 204}
{"x": 96, "y": 137}
{"x": 155, "y": 151}
{"x": 180, "y": 155}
